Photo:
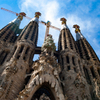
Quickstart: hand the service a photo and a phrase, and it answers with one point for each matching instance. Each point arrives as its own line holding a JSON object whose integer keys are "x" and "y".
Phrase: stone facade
{"x": 71, "y": 73}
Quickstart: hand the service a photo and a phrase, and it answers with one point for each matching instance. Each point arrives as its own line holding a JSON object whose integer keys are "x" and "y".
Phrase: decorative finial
{"x": 36, "y": 18}
{"x": 20, "y": 16}
{"x": 76, "y": 28}
{"x": 17, "y": 21}
{"x": 37, "y": 14}
{"x": 78, "y": 32}
{"x": 63, "y": 26}
{"x": 63, "y": 20}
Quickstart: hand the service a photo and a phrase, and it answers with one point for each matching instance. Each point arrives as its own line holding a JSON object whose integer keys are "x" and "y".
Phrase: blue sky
{"x": 85, "y": 13}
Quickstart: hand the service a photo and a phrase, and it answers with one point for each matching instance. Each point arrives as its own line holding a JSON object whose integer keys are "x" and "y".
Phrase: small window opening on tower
{"x": 62, "y": 60}
{"x": 79, "y": 65}
{"x": 68, "y": 68}
{"x": 21, "y": 49}
{"x": 73, "y": 60}
{"x": 27, "y": 50}
{"x": 6, "y": 37}
{"x": 74, "y": 69}
{"x": 17, "y": 34}
{"x": 77, "y": 98}
{"x": 36, "y": 57}
{"x": 18, "y": 56}
{"x": 87, "y": 75}
{"x": 3, "y": 56}
{"x": 92, "y": 71}
{"x": 67, "y": 59}
{"x": 98, "y": 71}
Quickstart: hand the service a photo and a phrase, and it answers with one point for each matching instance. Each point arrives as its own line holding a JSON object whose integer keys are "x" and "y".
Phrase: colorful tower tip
{"x": 76, "y": 28}
{"x": 63, "y": 20}
{"x": 37, "y": 14}
{"x": 20, "y": 15}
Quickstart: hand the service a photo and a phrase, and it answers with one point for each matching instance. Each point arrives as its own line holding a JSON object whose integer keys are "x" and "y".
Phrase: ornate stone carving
{"x": 10, "y": 69}
{"x": 48, "y": 45}
{"x": 79, "y": 81}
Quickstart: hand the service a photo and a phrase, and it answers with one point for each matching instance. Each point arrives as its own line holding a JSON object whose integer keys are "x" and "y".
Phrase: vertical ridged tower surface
{"x": 14, "y": 73}
{"x": 74, "y": 84}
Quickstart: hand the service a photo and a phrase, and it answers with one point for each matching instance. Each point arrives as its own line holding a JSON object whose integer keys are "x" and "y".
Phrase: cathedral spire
{"x": 66, "y": 40}
{"x": 30, "y": 32}
{"x": 78, "y": 32}
{"x": 8, "y": 33}
{"x": 85, "y": 49}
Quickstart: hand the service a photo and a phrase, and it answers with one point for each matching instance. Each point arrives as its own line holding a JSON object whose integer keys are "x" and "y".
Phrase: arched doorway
{"x": 43, "y": 93}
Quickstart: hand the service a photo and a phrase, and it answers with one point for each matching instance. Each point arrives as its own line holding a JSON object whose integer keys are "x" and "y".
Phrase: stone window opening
{"x": 68, "y": 68}
{"x": 77, "y": 98}
{"x": 79, "y": 65}
{"x": 87, "y": 75}
{"x": 67, "y": 59}
{"x": 74, "y": 69}
{"x": 92, "y": 71}
{"x": 62, "y": 61}
{"x": 6, "y": 37}
{"x": 73, "y": 60}
{"x": 21, "y": 49}
{"x": 18, "y": 56}
{"x": 27, "y": 50}
{"x": 3, "y": 56}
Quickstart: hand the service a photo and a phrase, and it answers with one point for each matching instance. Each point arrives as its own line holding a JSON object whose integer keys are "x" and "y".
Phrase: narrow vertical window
{"x": 87, "y": 75}
{"x": 92, "y": 71}
{"x": 73, "y": 60}
{"x": 21, "y": 49}
{"x": 67, "y": 59}
{"x": 68, "y": 68}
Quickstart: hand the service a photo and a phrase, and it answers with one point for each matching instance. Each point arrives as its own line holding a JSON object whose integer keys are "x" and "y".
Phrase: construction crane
{"x": 48, "y": 24}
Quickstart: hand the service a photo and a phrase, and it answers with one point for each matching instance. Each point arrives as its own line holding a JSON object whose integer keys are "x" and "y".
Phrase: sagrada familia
{"x": 70, "y": 73}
